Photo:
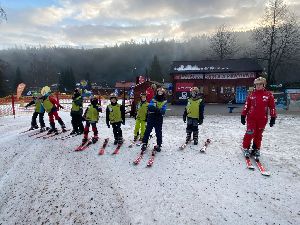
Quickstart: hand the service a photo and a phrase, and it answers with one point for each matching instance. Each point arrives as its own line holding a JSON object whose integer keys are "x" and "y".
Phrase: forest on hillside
{"x": 274, "y": 43}
{"x": 39, "y": 66}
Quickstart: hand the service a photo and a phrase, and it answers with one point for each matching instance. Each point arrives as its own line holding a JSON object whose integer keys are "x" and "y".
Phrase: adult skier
{"x": 255, "y": 112}
{"x": 193, "y": 115}
{"x": 91, "y": 116}
{"x": 141, "y": 117}
{"x": 156, "y": 110}
{"x": 38, "y": 111}
{"x": 115, "y": 116}
{"x": 76, "y": 112}
{"x": 51, "y": 107}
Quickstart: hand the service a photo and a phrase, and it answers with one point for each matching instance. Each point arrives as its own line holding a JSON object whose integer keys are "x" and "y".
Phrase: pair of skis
{"x": 151, "y": 159}
{"x": 203, "y": 149}
{"x": 102, "y": 149}
{"x": 259, "y": 165}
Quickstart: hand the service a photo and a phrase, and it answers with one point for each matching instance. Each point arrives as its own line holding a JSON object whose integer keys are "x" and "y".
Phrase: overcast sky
{"x": 95, "y": 23}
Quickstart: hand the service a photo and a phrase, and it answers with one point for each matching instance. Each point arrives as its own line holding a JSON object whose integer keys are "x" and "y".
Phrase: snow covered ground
{"x": 44, "y": 181}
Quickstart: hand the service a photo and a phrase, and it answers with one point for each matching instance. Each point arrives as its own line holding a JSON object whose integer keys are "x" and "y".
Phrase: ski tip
{"x": 266, "y": 173}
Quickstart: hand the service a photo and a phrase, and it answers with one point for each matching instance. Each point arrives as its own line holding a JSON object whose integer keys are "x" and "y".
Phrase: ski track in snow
{"x": 43, "y": 181}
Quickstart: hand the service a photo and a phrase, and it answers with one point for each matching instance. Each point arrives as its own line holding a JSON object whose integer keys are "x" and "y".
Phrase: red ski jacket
{"x": 149, "y": 94}
{"x": 257, "y": 105}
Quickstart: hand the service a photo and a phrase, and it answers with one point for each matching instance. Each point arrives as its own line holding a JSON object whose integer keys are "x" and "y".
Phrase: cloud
{"x": 106, "y": 22}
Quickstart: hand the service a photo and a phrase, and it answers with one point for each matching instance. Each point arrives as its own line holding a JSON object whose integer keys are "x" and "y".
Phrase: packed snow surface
{"x": 43, "y": 181}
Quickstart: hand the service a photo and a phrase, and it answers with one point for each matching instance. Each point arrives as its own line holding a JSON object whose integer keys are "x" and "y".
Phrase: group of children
{"x": 149, "y": 114}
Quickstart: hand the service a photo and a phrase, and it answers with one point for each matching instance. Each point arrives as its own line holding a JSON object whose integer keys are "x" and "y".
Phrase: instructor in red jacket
{"x": 255, "y": 111}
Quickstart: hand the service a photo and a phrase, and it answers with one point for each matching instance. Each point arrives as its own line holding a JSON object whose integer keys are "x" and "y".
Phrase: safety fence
{"x": 11, "y": 106}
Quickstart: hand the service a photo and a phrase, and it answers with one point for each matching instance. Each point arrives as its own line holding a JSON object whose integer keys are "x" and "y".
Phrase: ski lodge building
{"x": 219, "y": 81}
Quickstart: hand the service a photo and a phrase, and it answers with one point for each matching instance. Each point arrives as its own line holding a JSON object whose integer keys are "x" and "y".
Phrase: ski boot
{"x": 84, "y": 140}
{"x": 256, "y": 154}
{"x": 246, "y": 153}
{"x": 116, "y": 142}
{"x": 42, "y": 129}
{"x": 34, "y": 127}
{"x": 135, "y": 138}
{"x": 63, "y": 127}
{"x": 188, "y": 137}
{"x": 95, "y": 139}
{"x": 158, "y": 148}
{"x": 51, "y": 130}
{"x": 79, "y": 132}
{"x": 120, "y": 141}
{"x": 144, "y": 147}
{"x": 73, "y": 132}
{"x": 195, "y": 142}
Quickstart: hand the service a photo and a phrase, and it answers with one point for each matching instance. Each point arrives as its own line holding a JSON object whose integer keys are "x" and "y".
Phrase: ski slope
{"x": 43, "y": 181}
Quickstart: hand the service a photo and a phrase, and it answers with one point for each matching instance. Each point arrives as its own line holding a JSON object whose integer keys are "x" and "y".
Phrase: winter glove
{"x": 243, "y": 119}
{"x": 200, "y": 121}
{"x": 272, "y": 121}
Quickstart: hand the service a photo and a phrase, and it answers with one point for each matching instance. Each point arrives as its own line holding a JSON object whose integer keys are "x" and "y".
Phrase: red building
{"x": 220, "y": 81}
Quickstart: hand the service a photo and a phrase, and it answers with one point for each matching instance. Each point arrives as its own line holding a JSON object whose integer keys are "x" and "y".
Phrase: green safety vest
{"x": 38, "y": 106}
{"x": 47, "y": 104}
{"x": 158, "y": 104}
{"x": 142, "y": 110}
{"x": 192, "y": 108}
{"x": 115, "y": 113}
{"x": 75, "y": 106}
{"x": 92, "y": 114}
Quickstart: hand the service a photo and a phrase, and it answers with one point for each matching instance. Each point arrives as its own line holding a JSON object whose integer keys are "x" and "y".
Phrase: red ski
{"x": 116, "y": 151}
{"x": 184, "y": 145}
{"x": 101, "y": 151}
{"x": 207, "y": 142}
{"x": 261, "y": 168}
{"x": 151, "y": 160}
{"x": 84, "y": 146}
{"x": 249, "y": 164}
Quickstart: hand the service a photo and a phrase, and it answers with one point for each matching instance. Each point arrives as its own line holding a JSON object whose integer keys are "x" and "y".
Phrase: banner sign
{"x": 188, "y": 76}
{"x": 20, "y": 89}
{"x": 220, "y": 76}
{"x": 183, "y": 87}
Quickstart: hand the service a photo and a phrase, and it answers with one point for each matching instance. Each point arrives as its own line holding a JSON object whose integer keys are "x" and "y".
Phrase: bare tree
{"x": 277, "y": 37}
{"x": 2, "y": 14}
{"x": 223, "y": 43}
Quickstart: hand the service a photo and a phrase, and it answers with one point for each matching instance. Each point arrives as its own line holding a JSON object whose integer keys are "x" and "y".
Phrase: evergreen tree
{"x": 2, "y": 85}
{"x": 155, "y": 72}
{"x": 18, "y": 78}
{"x": 67, "y": 80}
{"x": 87, "y": 78}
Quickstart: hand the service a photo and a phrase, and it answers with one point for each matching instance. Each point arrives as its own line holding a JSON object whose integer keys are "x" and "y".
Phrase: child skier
{"x": 193, "y": 115}
{"x": 256, "y": 111}
{"x": 39, "y": 111}
{"x": 141, "y": 117}
{"x": 156, "y": 110}
{"x": 76, "y": 113}
{"x": 91, "y": 116}
{"x": 51, "y": 107}
{"x": 115, "y": 115}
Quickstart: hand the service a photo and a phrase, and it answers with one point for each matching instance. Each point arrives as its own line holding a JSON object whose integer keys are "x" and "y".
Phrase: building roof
{"x": 215, "y": 66}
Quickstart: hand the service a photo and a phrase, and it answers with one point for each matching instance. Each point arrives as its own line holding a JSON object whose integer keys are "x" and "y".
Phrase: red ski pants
{"x": 87, "y": 128}
{"x": 53, "y": 115}
{"x": 255, "y": 129}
